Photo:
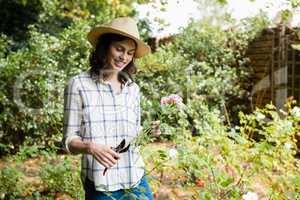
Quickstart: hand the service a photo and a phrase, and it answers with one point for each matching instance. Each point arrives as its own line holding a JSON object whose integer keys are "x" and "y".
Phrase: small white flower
{"x": 296, "y": 112}
{"x": 232, "y": 130}
{"x": 173, "y": 153}
{"x": 289, "y": 125}
{"x": 260, "y": 116}
{"x": 250, "y": 196}
{"x": 288, "y": 146}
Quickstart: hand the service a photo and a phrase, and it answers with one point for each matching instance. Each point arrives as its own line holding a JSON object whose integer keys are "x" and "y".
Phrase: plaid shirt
{"x": 94, "y": 112}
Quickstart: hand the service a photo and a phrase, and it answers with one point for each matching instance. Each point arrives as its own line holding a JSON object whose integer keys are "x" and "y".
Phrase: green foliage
{"x": 26, "y": 152}
{"x": 53, "y": 16}
{"x": 276, "y": 134}
{"x": 294, "y": 3}
{"x": 33, "y": 79}
{"x": 203, "y": 62}
{"x": 10, "y": 183}
{"x": 14, "y": 23}
{"x": 60, "y": 176}
{"x": 217, "y": 60}
{"x": 227, "y": 163}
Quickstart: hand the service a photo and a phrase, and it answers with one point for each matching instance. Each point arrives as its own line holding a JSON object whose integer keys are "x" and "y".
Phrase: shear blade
{"x": 125, "y": 149}
{"x": 120, "y": 146}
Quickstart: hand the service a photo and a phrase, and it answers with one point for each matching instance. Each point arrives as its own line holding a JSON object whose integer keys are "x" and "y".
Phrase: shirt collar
{"x": 104, "y": 82}
{"x": 108, "y": 83}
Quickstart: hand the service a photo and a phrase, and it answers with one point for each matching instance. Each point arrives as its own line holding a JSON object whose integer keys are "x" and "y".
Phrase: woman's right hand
{"x": 103, "y": 154}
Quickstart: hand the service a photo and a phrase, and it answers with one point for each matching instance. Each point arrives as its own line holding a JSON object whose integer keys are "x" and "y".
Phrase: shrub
{"x": 33, "y": 80}
{"x": 202, "y": 62}
{"x": 10, "y": 183}
{"x": 60, "y": 176}
{"x": 226, "y": 162}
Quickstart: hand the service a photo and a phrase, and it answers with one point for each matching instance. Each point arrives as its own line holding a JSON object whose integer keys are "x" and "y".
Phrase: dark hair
{"x": 98, "y": 59}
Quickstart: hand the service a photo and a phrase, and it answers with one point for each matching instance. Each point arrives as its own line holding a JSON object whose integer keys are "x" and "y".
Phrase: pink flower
{"x": 171, "y": 99}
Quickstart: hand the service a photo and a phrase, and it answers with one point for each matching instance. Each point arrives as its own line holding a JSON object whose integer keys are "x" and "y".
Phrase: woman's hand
{"x": 103, "y": 154}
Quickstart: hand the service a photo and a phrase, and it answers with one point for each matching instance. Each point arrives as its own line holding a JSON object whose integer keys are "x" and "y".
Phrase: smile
{"x": 119, "y": 64}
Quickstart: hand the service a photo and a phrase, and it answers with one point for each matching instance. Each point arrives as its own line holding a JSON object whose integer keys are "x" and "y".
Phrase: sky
{"x": 178, "y": 12}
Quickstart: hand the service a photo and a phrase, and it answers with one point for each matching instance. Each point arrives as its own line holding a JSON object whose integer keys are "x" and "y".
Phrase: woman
{"x": 102, "y": 109}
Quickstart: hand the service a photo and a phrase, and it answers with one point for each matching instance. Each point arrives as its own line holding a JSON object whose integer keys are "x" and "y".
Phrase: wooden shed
{"x": 276, "y": 66}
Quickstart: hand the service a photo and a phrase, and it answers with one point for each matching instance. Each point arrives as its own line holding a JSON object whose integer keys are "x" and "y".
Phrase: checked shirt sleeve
{"x": 138, "y": 111}
{"x": 72, "y": 113}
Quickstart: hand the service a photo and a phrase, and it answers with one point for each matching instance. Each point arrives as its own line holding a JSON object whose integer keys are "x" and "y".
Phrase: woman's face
{"x": 121, "y": 53}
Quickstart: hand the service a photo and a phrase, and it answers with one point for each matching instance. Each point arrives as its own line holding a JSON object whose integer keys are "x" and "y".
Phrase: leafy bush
{"x": 14, "y": 23}
{"x": 10, "y": 187}
{"x": 227, "y": 162}
{"x": 60, "y": 176}
{"x": 203, "y": 62}
{"x": 33, "y": 79}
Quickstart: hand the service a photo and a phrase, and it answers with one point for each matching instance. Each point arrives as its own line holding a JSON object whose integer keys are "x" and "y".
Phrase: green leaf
{"x": 296, "y": 46}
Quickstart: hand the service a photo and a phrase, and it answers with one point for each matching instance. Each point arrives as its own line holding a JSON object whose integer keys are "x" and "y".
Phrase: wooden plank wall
{"x": 276, "y": 67}
{"x": 261, "y": 59}
{"x": 293, "y": 88}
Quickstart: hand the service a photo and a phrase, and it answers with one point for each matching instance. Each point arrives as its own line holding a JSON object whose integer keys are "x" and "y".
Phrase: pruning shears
{"x": 121, "y": 148}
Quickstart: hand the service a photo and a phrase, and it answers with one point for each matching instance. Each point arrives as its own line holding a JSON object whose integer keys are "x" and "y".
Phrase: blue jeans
{"x": 141, "y": 192}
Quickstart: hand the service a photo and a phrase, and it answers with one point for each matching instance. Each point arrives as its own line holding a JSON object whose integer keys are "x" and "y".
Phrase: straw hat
{"x": 125, "y": 26}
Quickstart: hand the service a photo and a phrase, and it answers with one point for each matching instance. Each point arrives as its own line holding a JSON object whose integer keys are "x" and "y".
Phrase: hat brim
{"x": 94, "y": 34}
